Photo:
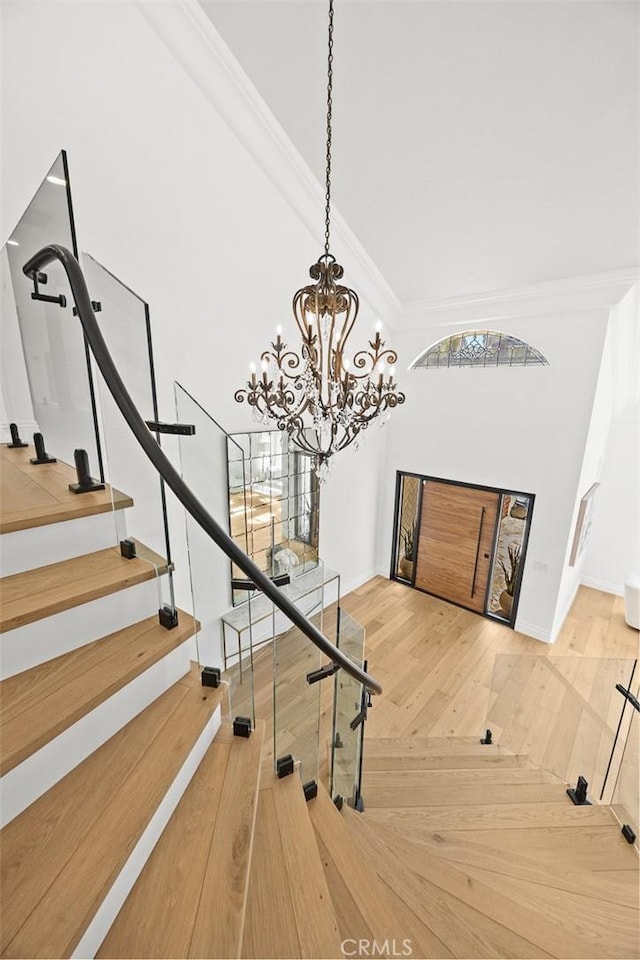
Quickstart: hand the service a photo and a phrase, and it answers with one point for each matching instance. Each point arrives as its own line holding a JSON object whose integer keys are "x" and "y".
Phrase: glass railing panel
{"x": 562, "y": 712}
{"x": 203, "y": 465}
{"x": 124, "y": 321}
{"x": 56, "y": 363}
{"x": 302, "y": 711}
{"x": 297, "y": 703}
{"x": 347, "y": 733}
{"x": 248, "y": 666}
{"x": 625, "y": 799}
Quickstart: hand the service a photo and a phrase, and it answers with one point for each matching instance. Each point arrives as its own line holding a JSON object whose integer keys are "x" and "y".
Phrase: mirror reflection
{"x": 274, "y": 501}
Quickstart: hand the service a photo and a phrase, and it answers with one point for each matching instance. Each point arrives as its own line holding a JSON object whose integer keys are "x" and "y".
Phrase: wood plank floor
{"x": 33, "y": 496}
{"x": 436, "y": 663}
{"x": 437, "y": 669}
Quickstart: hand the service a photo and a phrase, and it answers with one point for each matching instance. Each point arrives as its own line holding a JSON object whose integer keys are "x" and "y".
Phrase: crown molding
{"x": 589, "y": 292}
{"x": 189, "y": 35}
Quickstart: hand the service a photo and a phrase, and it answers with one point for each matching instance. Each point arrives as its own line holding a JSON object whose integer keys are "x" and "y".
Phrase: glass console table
{"x": 257, "y": 622}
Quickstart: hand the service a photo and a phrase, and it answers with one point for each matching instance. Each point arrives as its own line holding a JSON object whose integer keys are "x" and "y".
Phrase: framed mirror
{"x": 274, "y": 504}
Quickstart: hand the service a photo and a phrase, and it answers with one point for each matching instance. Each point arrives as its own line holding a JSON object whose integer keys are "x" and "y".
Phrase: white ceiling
{"x": 478, "y": 144}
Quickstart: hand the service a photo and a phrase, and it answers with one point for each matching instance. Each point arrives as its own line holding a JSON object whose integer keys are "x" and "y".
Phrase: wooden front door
{"x": 457, "y": 526}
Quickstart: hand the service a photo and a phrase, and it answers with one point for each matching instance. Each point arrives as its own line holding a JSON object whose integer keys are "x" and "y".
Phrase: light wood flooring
{"x": 443, "y": 670}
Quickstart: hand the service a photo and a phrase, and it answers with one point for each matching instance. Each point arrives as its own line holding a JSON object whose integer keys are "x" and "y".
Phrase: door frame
{"x": 502, "y": 491}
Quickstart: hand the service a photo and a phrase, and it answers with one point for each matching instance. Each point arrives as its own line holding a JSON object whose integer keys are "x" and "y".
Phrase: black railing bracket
{"x": 210, "y": 676}
{"x": 284, "y": 766}
{"x": 242, "y": 727}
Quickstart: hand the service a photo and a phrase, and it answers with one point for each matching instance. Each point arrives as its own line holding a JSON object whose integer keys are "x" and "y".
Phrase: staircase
{"x": 137, "y": 825}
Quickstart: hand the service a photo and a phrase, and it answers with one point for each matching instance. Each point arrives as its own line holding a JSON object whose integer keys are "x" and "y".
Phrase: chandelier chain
{"x": 327, "y": 211}
{"x": 323, "y": 396}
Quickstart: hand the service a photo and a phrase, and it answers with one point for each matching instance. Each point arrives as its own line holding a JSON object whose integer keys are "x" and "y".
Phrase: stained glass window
{"x": 480, "y": 348}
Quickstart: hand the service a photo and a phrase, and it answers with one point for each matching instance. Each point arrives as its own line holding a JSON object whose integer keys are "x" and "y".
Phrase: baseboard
{"x": 534, "y": 631}
{"x": 358, "y": 581}
{"x": 604, "y": 585}
{"x": 121, "y": 888}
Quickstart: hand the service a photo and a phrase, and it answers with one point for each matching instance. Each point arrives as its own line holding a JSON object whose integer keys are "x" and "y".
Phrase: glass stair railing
{"x": 350, "y": 704}
{"x": 88, "y": 371}
{"x": 203, "y": 466}
{"x": 69, "y": 400}
{"x": 61, "y": 395}
{"x": 266, "y": 659}
{"x": 124, "y": 321}
{"x": 563, "y": 713}
{"x": 625, "y": 796}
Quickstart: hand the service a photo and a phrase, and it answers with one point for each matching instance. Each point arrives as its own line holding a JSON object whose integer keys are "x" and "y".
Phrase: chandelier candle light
{"x": 320, "y": 397}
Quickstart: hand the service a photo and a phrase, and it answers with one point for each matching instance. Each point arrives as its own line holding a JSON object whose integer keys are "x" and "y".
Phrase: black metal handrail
{"x": 166, "y": 469}
{"x": 628, "y": 696}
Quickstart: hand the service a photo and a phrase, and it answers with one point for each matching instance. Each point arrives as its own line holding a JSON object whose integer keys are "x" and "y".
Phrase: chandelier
{"x": 320, "y": 396}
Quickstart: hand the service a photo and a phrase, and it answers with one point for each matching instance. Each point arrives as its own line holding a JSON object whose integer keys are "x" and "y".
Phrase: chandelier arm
{"x": 362, "y": 356}
{"x": 330, "y": 348}
{"x": 352, "y": 314}
{"x": 288, "y": 360}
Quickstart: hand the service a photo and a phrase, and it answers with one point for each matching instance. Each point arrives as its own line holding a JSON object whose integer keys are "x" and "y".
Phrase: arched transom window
{"x": 479, "y": 348}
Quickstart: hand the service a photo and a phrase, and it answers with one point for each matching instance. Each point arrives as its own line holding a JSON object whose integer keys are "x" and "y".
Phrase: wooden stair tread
{"x": 481, "y": 777}
{"x": 305, "y": 911}
{"x": 189, "y": 901}
{"x": 499, "y": 909}
{"x": 393, "y": 791}
{"x": 365, "y": 906}
{"x": 479, "y": 760}
{"x": 487, "y": 851}
{"x": 397, "y": 747}
{"x": 599, "y": 849}
{"x": 497, "y": 815}
{"x": 467, "y": 931}
{"x": 611, "y": 928}
{"x": 269, "y": 931}
{"x": 44, "y": 591}
{"x": 33, "y": 496}
{"x": 38, "y": 704}
{"x": 61, "y": 854}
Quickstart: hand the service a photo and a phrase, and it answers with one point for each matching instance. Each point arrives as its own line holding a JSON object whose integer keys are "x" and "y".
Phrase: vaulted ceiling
{"x": 478, "y": 144}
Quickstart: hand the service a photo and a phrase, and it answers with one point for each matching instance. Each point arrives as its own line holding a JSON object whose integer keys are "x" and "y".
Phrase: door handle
{"x": 475, "y": 566}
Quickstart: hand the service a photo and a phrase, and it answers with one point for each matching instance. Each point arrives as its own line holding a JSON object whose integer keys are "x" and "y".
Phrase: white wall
{"x": 522, "y": 429}
{"x": 590, "y": 471}
{"x": 613, "y": 551}
{"x": 168, "y": 199}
